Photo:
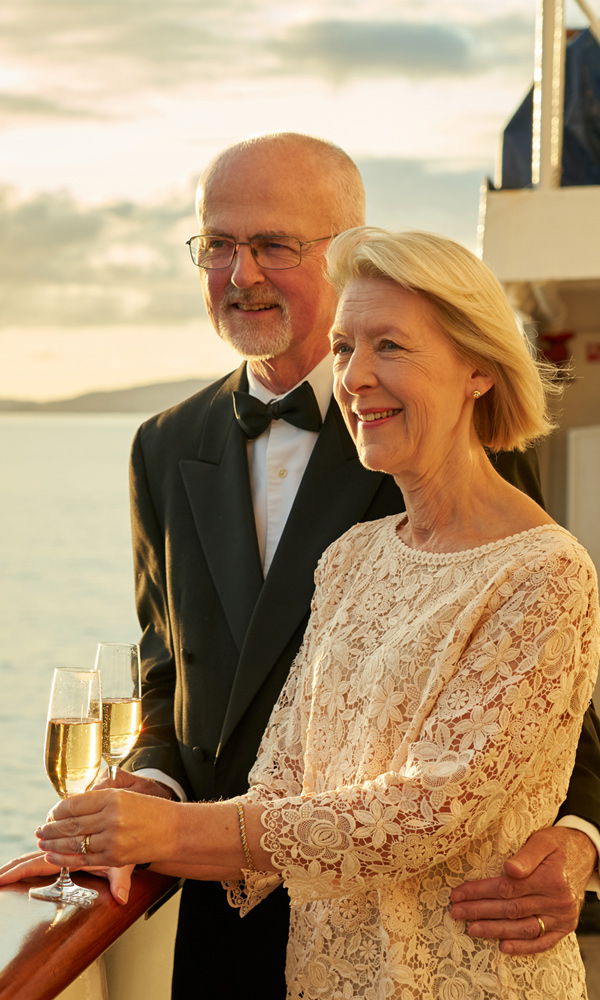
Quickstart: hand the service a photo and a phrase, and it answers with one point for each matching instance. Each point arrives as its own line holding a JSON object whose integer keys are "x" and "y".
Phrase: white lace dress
{"x": 428, "y": 727}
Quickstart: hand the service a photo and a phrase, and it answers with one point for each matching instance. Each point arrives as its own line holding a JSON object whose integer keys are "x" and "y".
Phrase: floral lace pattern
{"x": 428, "y": 726}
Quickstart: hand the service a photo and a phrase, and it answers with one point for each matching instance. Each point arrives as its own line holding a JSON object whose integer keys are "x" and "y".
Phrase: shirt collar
{"x": 320, "y": 378}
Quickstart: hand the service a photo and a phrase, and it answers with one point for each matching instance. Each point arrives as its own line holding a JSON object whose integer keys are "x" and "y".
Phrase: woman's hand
{"x": 122, "y": 828}
{"x": 36, "y": 864}
{"x": 189, "y": 840}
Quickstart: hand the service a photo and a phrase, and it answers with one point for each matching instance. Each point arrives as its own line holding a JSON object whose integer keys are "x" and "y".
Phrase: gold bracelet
{"x": 250, "y": 863}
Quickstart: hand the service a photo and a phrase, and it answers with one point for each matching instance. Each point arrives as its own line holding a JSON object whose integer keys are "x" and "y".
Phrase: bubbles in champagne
{"x": 73, "y": 754}
{"x": 121, "y": 723}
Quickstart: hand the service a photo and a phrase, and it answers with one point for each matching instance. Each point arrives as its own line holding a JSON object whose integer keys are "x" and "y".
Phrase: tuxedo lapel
{"x": 218, "y": 490}
{"x": 334, "y": 494}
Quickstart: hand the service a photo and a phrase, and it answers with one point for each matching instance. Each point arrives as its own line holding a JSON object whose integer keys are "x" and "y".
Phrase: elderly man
{"x": 235, "y": 494}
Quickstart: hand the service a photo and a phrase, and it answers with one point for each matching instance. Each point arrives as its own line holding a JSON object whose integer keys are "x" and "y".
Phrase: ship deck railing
{"x": 49, "y": 950}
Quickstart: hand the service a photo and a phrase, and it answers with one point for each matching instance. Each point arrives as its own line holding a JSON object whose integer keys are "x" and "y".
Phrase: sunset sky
{"x": 109, "y": 109}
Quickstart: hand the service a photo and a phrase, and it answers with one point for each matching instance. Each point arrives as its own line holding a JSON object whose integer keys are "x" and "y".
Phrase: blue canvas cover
{"x": 581, "y": 123}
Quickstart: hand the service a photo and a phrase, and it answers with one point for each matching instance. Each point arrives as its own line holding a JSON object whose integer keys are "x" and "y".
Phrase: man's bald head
{"x": 329, "y": 171}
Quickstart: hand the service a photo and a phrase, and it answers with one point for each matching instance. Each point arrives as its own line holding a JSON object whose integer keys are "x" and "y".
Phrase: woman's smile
{"x": 375, "y": 416}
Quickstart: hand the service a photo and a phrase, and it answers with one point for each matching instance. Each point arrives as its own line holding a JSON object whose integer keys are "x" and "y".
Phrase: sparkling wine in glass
{"x": 119, "y": 664}
{"x": 72, "y": 757}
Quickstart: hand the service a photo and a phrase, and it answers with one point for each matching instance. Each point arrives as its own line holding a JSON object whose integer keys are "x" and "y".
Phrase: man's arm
{"x": 156, "y": 747}
{"x": 583, "y": 795}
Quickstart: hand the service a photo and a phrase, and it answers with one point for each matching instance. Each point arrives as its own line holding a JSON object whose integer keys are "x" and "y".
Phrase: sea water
{"x": 66, "y": 583}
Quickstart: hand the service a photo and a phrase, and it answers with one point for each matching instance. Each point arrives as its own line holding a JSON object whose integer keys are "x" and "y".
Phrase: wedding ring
{"x": 85, "y": 846}
{"x": 542, "y": 925}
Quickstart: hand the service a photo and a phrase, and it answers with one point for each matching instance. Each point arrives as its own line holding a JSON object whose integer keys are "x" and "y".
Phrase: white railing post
{"x": 548, "y": 94}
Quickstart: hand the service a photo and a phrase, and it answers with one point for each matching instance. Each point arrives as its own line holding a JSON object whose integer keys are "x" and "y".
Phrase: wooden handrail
{"x": 44, "y": 947}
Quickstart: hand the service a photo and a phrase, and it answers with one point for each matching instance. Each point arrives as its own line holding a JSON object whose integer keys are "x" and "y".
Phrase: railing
{"x": 45, "y": 946}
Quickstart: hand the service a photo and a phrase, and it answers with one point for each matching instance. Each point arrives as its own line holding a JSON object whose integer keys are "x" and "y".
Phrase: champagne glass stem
{"x": 112, "y": 770}
{"x": 64, "y": 879}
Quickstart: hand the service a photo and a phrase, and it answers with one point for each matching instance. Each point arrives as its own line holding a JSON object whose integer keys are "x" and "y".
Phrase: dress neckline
{"x": 423, "y": 555}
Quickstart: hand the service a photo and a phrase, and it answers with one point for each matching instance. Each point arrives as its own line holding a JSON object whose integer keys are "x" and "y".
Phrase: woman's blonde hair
{"x": 472, "y": 311}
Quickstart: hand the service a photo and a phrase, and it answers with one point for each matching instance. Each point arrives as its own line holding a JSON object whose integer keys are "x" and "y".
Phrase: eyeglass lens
{"x": 218, "y": 251}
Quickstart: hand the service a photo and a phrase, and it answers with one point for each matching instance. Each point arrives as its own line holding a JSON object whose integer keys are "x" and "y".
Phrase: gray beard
{"x": 251, "y": 347}
{"x": 251, "y": 343}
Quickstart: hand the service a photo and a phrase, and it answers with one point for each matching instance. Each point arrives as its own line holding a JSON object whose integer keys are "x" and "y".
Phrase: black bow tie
{"x": 299, "y": 408}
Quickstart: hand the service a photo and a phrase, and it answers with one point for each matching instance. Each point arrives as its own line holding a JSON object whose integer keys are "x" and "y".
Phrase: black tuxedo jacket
{"x": 218, "y": 638}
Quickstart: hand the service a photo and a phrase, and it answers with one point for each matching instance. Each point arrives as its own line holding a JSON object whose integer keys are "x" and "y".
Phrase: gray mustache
{"x": 249, "y": 298}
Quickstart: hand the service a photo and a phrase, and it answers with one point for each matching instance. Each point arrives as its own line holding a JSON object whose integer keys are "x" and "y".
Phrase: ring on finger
{"x": 85, "y": 846}
{"x": 542, "y": 925}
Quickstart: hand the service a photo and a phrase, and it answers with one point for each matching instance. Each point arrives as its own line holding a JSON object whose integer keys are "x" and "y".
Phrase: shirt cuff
{"x": 576, "y": 823}
{"x": 165, "y": 779}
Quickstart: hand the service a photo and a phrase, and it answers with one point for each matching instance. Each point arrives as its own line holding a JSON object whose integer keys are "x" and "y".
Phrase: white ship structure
{"x": 540, "y": 233}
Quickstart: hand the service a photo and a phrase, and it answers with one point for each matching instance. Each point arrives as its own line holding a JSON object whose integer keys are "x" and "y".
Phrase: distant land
{"x": 136, "y": 399}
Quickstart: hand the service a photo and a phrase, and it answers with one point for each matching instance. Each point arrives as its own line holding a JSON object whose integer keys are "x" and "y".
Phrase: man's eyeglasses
{"x": 272, "y": 252}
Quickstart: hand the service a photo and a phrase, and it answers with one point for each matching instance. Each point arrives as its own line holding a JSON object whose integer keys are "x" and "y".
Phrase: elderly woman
{"x": 430, "y": 721}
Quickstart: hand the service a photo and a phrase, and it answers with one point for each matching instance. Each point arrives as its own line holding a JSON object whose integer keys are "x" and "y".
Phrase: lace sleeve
{"x": 282, "y": 748}
{"x": 506, "y": 716}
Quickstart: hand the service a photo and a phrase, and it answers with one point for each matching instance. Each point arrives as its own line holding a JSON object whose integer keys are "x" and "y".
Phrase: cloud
{"x": 123, "y": 262}
{"x": 20, "y": 106}
{"x": 103, "y": 46}
{"x": 344, "y": 49}
{"x": 106, "y": 58}
{"x": 355, "y": 48}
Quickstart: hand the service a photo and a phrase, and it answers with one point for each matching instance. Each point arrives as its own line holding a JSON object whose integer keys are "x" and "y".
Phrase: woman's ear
{"x": 479, "y": 384}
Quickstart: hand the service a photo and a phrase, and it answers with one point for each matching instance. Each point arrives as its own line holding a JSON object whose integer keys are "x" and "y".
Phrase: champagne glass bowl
{"x": 119, "y": 665}
{"x": 72, "y": 757}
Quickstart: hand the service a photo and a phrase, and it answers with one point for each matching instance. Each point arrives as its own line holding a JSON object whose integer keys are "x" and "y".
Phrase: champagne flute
{"x": 72, "y": 757}
{"x": 119, "y": 664}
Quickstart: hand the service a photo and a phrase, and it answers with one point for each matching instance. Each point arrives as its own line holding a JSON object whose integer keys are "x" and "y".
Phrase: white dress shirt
{"x": 277, "y": 460}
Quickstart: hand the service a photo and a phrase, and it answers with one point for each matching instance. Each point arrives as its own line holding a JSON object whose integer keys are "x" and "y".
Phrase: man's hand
{"x": 36, "y": 864}
{"x": 546, "y": 878}
{"x": 134, "y": 783}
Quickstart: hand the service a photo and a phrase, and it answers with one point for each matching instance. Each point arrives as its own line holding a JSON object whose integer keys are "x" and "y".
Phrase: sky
{"x": 110, "y": 109}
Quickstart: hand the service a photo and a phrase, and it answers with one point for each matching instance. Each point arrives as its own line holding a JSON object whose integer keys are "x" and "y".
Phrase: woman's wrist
{"x": 209, "y": 834}
{"x": 201, "y": 836}
{"x": 253, "y": 811}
